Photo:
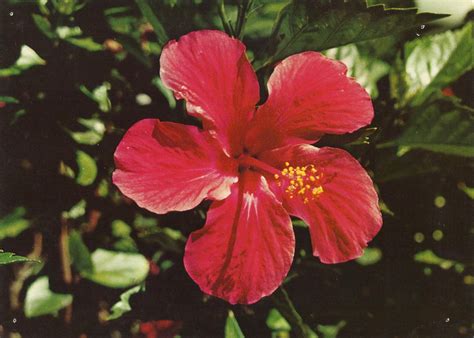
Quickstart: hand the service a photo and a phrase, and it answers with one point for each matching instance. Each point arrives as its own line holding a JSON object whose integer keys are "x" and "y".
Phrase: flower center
{"x": 302, "y": 181}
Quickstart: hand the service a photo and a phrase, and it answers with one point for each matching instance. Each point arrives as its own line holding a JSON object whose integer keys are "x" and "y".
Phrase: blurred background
{"x": 81, "y": 260}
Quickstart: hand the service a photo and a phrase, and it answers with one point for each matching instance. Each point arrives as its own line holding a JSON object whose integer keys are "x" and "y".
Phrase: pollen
{"x": 301, "y": 181}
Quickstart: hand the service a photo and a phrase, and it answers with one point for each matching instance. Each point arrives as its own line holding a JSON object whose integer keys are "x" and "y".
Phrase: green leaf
{"x": 123, "y": 305}
{"x": 442, "y": 127}
{"x": 8, "y": 99}
{"x": 167, "y": 93}
{"x": 133, "y": 47}
{"x": 77, "y": 210}
{"x": 117, "y": 269}
{"x": 44, "y": 25}
{"x": 430, "y": 64}
{"x": 331, "y": 331}
{"x": 80, "y": 255}
{"x": 366, "y": 70}
{"x": 66, "y": 32}
{"x": 262, "y": 17}
{"x": 28, "y": 58}
{"x": 66, "y": 7}
{"x": 232, "y": 328}
{"x": 99, "y": 95}
{"x": 276, "y": 322}
{"x": 13, "y": 224}
{"x": 149, "y": 14}
{"x": 87, "y": 168}
{"x": 370, "y": 256}
{"x": 311, "y": 25}
{"x": 167, "y": 238}
{"x": 94, "y": 133}
{"x": 40, "y": 300}
{"x": 469, "y": 191}
{"x": 121, "y": 229}
{"x": 10, "y": 257}
{"x": 86, "y": 43}
{"x": 429, "y": 257}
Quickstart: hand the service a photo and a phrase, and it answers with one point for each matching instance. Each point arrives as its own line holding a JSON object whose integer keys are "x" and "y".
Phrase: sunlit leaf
{"x": 366, "y": 70}
{"x": 94, "y": 133}
{"x": 117, "y": 269}
{"x": 276, "y": 322}
{"x": 120, "y": 228}
{"x": 331, "y": 331}
{"x": 87, "y": 168}
{"x": 66, "y": 32}
{"x": 28, "y": 58}
{"x": 86, "y": 43}
{"x": 457, "y": 13}
{"x": 429, "y": 257}
{"x": 431, "y": 63}
{"x": 77, "y": 210}
{"x": 14, "y": 223}
{"x": 40, "y": 300}
{"x": 123, "y": 305}
{"x": 99, "y": 95}
{"x": 370, "y": 256}
{"x": 323, "y": 25}
{"x": 80, "y": 255}
{"x": 469, "y": 191}
{"x": 232, "y": 328}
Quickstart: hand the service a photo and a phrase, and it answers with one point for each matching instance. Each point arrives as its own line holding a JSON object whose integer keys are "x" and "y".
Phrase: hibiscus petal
{"x": 339, "y": 203}
{"x": 309, "y": 95}
{"x": 211, "y": 72}
{"x": 166, "y": 166}
{"x": 246, "y": 247}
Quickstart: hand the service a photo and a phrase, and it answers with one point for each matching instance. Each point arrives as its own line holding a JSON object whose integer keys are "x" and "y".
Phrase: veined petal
{"x": 211, "y": 72}
{"x": 245, "y": 250}
{"x": 309, "y": 95}
{"x": 333, "y": 195}
{"x": 165, "y": 166}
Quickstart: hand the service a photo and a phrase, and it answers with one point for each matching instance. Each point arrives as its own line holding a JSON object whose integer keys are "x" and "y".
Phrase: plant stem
{"x": 284, "y": 304}
{"x": 225, "y": 20}
{"x": 65, "y": 264}
{"x": 244, "y": 6}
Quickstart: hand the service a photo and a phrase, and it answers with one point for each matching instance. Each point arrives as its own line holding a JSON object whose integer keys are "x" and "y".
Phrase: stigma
{"x": 301, "y": 181}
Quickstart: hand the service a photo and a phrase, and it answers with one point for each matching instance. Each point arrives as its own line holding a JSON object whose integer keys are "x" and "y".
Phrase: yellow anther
{"x": 276, "y": 176}
{"x": 301, "y": 181}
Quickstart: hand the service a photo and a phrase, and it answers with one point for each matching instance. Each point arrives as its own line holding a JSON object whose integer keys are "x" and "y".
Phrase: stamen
{"x": 302, "y": 181}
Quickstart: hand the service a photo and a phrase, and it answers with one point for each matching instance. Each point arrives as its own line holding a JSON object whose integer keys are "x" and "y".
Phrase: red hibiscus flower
{"x": 255, "y": 163}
